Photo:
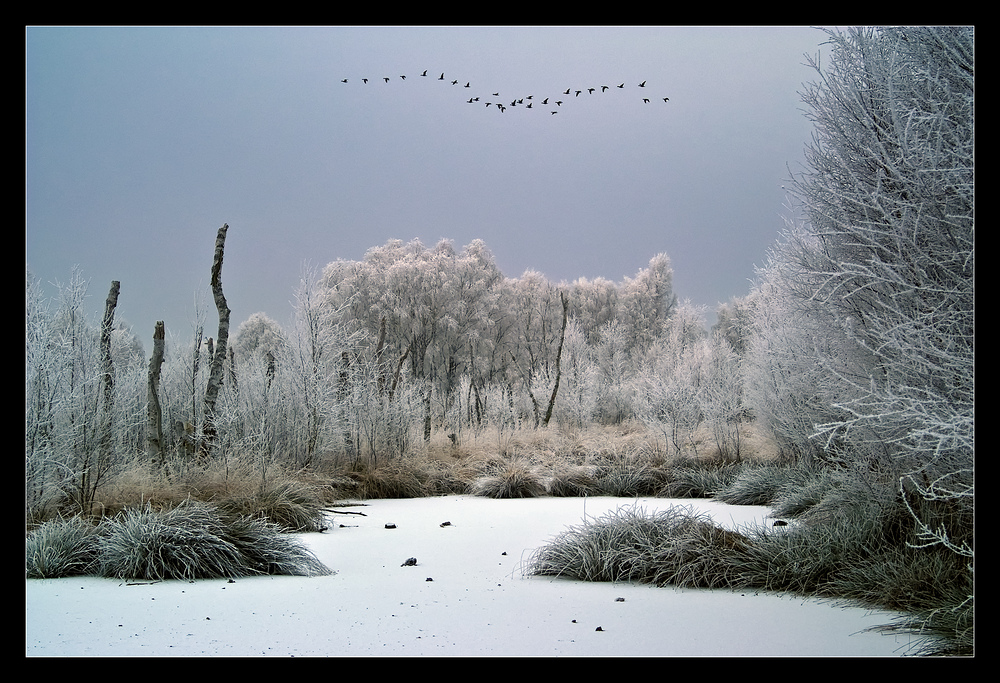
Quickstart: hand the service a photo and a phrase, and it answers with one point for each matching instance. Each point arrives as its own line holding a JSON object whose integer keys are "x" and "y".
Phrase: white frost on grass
{"x": 466, "y": 596}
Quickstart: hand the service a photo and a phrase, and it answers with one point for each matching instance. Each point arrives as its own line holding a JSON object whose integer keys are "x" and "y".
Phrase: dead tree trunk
{"x": 562, "y": 338}
{"x": 107, "y": 368}
{"x": 217, "y": 369}
{"x": 154, "y": 415}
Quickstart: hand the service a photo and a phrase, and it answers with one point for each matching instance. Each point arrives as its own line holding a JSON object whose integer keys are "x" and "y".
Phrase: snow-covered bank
{"x": 466, "y": 596}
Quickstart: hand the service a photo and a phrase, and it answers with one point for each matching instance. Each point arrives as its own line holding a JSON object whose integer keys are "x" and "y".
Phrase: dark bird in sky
{"x": 386, "y": 78}
{"x": 622, "y": 85}
{"x": 555, "y": 112}
{"x": 471, "y": 100}
{"x": 365, "y": 80}
{"x": 590, "y": 90}
{"x": 545, "y": 101}
{"x": 645, "y": 100}
{"x": 558, "y": 103}
{"x": 441, "y": 77}
{"x": 496, "y": 94}
{"x": 567, "y": 91}
{"x": 466, "y": 85}
{"x": 424, "y": 73}
{"x": 344, "y": 81}
{"x": 666, "y": 99}
{"x": 578, "y": 92}
{"x": 529, "y": 106}
{"x": 454, "y": 82}
{"x": 643, "y": 84}
{"x": 604, "y": 88}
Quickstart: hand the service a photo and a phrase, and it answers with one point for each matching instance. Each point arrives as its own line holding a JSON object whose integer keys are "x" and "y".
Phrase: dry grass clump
{"x": 514, "y": 479}
{"x": 290, "y": 504}
{"x": 692, "y": 478}
{"x": 573, "y": 480}
{"x": 631, "y": 479}
{"x": 393, "y": 479}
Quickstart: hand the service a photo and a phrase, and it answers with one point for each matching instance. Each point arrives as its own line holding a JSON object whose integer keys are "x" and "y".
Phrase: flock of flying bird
{"x": 528, "y": 101}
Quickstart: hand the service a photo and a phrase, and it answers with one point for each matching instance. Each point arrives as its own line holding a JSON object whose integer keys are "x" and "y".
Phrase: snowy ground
{"x": 466, "y": 596}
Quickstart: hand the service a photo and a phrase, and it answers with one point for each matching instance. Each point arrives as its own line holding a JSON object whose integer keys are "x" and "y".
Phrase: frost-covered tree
{"x": 79, "y": 427}
{"x": 260, "y": 336}
{"x": 648, "y": 300}
{"x": 864, "y": 346}
{"x": 670, "y": 382}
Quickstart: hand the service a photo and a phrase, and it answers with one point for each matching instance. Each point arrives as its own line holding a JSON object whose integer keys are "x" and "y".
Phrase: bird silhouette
{"x": 441, "y": 77}
{"x": 545, "y": 101}
{"x": 567, "y": 91}
{"x": 590, "y": 90}
{"x": 424, "y": 73}
{"x": 386, "y": 79}
{"x": 622, "y": 85}
{"x": 578, "y": 92}
{"x": 454, "y": 82}
{"x": 466, "y": 85}
{"x": 643, "y": 84}
{"x": 666, "y": 99}
{"x": 365, "y": 80}
{"x": 558, "y": 103}
{"x": 344, "y": 81}
{"x": 604, "y": 88}
{"x": 555, "y": 112}
{"x": 645, "y": 100}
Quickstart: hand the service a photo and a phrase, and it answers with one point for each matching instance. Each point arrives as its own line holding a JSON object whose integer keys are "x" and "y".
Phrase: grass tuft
{"x": 291, "y": 505}
{"x": 673, "y": 546}
{"x": 192, "y": 541}
{"x": 513, "y": 480}
{"x": 61, "y": 548}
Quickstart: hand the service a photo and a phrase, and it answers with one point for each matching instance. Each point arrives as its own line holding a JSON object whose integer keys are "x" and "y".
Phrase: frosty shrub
{"x": 862, "y": 354}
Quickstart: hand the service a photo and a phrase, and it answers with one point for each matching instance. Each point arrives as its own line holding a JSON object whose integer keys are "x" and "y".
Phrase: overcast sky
{"x": 142, "y": 142}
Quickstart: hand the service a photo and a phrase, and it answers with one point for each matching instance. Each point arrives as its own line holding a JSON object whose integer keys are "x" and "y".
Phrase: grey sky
{"x": 141, "y": 142}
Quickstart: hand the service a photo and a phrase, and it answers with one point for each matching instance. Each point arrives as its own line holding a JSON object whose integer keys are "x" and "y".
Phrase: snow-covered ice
{"x": 466, "y": 596}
